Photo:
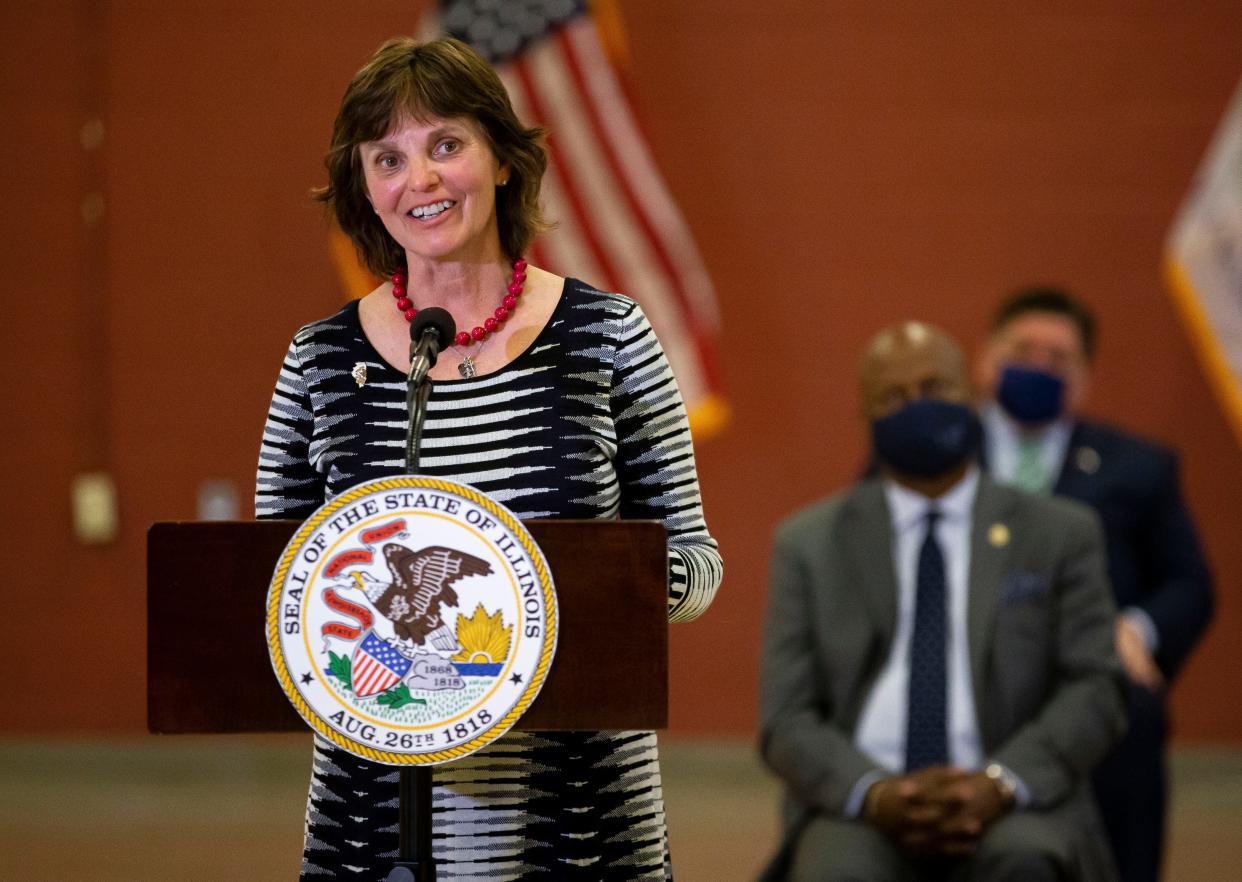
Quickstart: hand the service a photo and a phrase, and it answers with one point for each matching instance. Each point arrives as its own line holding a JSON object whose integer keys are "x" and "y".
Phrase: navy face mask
{"x": 927, "y": 437}
{"x": 1030, "y": 395}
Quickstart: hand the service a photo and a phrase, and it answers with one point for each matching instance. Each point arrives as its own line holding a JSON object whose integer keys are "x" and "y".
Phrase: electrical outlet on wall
{"x": 95, "y": 520}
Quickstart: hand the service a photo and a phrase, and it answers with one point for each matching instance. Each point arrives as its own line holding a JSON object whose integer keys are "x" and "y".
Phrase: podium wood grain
{"x": 209, "y": 671}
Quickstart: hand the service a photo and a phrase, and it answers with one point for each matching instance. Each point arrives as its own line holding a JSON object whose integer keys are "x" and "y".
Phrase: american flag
{"x": 376, "y": 666}
{"x": 618, "y": 227}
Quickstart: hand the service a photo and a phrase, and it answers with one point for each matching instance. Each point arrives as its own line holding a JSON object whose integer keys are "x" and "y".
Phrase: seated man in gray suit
{"x": 938, "y": 676}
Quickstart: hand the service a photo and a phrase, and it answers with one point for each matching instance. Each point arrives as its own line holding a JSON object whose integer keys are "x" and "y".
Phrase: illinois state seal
{"x": 411, "y": 620}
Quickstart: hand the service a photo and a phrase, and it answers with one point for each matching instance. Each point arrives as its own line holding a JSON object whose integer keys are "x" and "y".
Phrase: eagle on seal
{"x": 421, "y": 581}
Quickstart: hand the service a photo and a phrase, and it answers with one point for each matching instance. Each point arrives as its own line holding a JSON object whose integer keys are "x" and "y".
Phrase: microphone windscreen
{"x": 434, "y": 317}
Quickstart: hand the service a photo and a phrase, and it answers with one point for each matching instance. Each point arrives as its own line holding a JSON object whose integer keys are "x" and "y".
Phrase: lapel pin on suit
{"x": 1087, "y": 460}
{"x": 998, "y": 535}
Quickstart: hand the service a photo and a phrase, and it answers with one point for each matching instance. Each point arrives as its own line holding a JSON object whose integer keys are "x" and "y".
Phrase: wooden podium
{"x": 208, "y": 668}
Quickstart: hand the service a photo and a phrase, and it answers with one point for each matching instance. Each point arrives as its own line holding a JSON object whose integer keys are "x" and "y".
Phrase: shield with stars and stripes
{"x": 376, "y": 666}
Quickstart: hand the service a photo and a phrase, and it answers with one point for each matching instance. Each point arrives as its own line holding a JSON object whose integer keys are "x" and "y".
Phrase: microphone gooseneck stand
{"x": 416, "y": 403}
{"x": 431, "y": 330}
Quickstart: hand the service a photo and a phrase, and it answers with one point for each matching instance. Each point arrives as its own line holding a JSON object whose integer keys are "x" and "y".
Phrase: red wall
{"x": 843, "y": 166}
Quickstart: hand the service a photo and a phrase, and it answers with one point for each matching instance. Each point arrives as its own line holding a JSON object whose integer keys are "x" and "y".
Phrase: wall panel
{"x": 842, "y": 165}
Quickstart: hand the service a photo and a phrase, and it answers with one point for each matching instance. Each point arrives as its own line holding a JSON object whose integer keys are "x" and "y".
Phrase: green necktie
{"x": 1029, "y": 473}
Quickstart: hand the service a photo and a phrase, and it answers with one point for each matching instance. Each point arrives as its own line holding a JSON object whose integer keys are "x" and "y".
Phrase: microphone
{"x": 432, "y": 330}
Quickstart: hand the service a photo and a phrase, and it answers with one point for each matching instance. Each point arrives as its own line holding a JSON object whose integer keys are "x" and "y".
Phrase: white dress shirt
{"x": 1003, "y": 439}
{"x": 881, "y": 732}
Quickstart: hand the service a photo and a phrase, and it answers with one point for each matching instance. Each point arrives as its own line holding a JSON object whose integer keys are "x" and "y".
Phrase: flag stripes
{"x": 599, "y": 181}
{"x": 617, "y": 226}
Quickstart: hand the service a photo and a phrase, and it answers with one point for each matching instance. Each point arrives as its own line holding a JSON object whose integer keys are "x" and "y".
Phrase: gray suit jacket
{"x": 1047, "y": 687}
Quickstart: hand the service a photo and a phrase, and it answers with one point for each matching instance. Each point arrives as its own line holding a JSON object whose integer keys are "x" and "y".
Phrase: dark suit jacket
{"x": 1155, "y": 561}
{"x": 1047, "y": 688}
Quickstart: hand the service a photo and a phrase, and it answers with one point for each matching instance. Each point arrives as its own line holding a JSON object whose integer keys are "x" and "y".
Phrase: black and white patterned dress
{"x": 586, "y": 423}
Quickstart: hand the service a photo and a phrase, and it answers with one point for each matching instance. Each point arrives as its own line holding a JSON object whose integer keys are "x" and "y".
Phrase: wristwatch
{"x": 1004, "y": 780}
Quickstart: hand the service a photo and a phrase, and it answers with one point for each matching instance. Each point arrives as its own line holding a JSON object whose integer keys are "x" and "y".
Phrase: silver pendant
{"x": 466, "y": 368}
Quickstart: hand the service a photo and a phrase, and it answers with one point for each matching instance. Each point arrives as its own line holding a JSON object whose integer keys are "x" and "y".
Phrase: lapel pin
{"x": 1087, "y": 460}
{"x": 998, "y": 535}
{"x": 359, "y": 373}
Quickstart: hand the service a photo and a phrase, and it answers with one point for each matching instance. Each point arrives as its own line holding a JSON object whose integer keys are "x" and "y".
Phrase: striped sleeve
{"x": 287, "y": 484}
{"x": 655, "y": 464}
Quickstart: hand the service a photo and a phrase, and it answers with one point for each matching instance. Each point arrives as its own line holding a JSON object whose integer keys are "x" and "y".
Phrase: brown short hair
{"x": 446, "y": 79}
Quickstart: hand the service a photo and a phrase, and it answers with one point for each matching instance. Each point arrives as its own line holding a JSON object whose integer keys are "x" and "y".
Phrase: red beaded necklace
{"x": 490, "y": 324}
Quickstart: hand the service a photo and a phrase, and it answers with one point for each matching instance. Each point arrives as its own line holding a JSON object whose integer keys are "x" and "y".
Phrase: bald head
{"x": 909, "y": 361}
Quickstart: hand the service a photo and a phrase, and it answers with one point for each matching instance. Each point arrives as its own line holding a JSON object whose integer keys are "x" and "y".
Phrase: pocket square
{"x": 1020, "y": 585}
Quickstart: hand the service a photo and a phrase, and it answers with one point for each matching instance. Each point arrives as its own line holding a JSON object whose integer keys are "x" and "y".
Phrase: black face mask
{"x": 927, "y": 438}
{"x": 1030, "y": 395}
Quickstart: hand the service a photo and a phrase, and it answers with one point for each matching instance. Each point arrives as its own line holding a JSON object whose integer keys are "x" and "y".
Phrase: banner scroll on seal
{"x": 412, "y": 620}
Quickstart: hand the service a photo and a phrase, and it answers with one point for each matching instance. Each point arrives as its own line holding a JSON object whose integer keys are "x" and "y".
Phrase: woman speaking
{"x": 555, "y": 399}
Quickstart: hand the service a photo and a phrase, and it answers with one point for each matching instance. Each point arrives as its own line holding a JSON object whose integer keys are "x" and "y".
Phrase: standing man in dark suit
{"x": 938, "y": 676}
{"x": 1034, "y": 372}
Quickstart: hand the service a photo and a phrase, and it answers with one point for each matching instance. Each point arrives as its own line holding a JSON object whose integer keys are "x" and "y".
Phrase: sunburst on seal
{"x": 484, "y": 638}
